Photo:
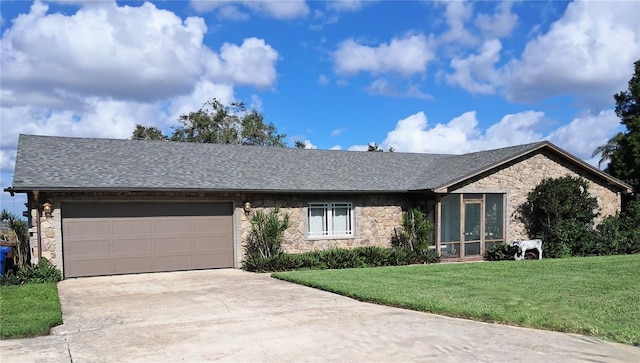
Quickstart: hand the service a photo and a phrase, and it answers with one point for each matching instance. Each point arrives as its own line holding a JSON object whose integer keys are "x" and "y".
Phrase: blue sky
{"x": 420, "y": 76}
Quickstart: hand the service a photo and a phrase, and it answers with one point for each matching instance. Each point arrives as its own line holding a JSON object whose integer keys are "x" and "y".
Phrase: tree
{"x": 300, "y": 145}
{"x": 561, "y": 212}
{"x": 220, "y": 124}
{"x": 623, "y": 150}
{"x": 147, "y": 133}
{"x": 254, "y": 131}
{"x": 375, "y": 147}
{"x": 214, "y": 123}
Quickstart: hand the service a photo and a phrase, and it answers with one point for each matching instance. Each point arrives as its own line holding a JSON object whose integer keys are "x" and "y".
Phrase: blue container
{"x": 3, "y": 255}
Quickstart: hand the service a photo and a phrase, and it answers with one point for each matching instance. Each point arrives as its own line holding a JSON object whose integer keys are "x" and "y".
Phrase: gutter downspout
{"x": 36, "y": 196}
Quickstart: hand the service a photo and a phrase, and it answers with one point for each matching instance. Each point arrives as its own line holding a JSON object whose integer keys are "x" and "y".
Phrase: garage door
{"x": 130, "y": 237}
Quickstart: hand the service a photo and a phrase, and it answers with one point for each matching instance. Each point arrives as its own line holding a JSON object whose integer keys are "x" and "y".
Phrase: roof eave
{"x": 29, "y": 189}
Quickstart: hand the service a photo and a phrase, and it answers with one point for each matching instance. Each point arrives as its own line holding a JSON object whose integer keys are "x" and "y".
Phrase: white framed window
{"x": 330, "y": 220}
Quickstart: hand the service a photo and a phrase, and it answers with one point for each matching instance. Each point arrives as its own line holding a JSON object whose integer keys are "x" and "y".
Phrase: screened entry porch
{"x": 469, "y": 224}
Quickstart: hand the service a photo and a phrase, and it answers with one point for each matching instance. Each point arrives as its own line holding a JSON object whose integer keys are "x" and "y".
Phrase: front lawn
{"x": 598, "y": 296}
{"x": 28, "y": 310}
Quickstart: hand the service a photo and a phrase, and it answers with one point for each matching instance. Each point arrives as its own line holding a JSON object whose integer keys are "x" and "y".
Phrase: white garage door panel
{"x": 105, "y": 238}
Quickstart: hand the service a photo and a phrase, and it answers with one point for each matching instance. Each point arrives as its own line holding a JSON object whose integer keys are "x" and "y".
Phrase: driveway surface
{"x": 235, "y": 316}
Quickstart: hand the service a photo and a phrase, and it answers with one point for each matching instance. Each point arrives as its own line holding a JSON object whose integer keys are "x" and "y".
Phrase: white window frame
{"x": 329, "y": 209}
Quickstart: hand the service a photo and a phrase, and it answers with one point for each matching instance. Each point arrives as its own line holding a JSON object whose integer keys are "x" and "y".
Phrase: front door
{"x": 472, "y": 228}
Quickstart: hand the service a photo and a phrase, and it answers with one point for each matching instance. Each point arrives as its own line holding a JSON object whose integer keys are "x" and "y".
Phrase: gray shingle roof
{"x": 456, "y": 168}
{"x": 63, "y": 163}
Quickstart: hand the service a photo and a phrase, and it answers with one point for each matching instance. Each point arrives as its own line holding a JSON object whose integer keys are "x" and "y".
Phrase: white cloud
{"x": 512, "y": 129}
{"x": 290, "y": 9}
{"x": 383, "y": 87}
{"x": 232, "y": 12}
{"x": 323, "y": 80}
{"x": 100, "y": 117}
{"x": 413, "y": 135}
{"x": 203, "y": 91}
{"x": 346, "y": 5}
{"x": 309, "y": 145}
{"x": 457, "y": 14}
{"x": 357, "y": 148}
{"x": 589, "y": 52}
{"x": 406, "y": 55}
{"x": 585, "y": 133}
{"x": 461, "y": 135}
{"x": 476, "y": 73}
{"x": 500, "y": 24}
{"x": 105, "y": 68}
{"x": 252, "y": 63}
{"x": 336, "y": 147}
{"x": 141, "y": 54}
{"x": 103, "y": 118}
{"x": 338, "y": 132}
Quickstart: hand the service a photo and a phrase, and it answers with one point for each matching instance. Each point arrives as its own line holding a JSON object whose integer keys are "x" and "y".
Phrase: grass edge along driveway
{"x": 29, "y": 310}
{"x": 597, "y": 296}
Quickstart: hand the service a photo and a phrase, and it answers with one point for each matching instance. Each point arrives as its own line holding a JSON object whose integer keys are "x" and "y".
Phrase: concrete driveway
{"x": 235, "y": 316}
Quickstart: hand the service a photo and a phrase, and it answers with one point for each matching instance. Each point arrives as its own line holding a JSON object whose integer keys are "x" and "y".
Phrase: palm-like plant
{"x": 267, "y": 233}
{"x": 607, "y": 150}
{"x": 17, "y": 229}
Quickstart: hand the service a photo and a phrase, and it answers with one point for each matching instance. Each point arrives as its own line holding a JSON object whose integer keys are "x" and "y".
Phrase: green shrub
{"x": 619, "y": 234}
{"x": 375, "y": 256}
{"x": 421, "y": 257}
{"x": 43, "y": 272}
{"x": 267, "y": 233}
{"x": 338, "y": 258}
{"x": 280, "y": 262}
{"x": 630, "y": 224}
{"x": 500, "y": 252}
{"x": 561, "y": 212}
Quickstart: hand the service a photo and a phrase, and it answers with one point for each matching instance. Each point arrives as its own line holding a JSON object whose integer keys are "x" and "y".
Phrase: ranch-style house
{"x": 105, "y": 206}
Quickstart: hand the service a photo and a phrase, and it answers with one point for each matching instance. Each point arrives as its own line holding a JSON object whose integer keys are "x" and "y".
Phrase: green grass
{"x": 28, "y": 310}
{"x": 598, "y": 296}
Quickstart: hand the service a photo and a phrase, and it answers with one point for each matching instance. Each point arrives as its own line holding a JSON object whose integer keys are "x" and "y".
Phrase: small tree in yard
{"x": 415, "y": 233}
{"x": 267, "y": 233}
{"x": 561, "y": 212}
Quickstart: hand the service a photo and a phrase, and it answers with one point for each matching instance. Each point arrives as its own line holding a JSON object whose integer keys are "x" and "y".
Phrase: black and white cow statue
{"x": 523, "y": 246}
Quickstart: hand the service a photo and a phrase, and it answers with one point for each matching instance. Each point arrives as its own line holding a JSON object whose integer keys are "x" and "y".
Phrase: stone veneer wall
{"x": 518, "y": 178}
{"x": 376, "y": 216}
{"x": 51, "y": 232}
